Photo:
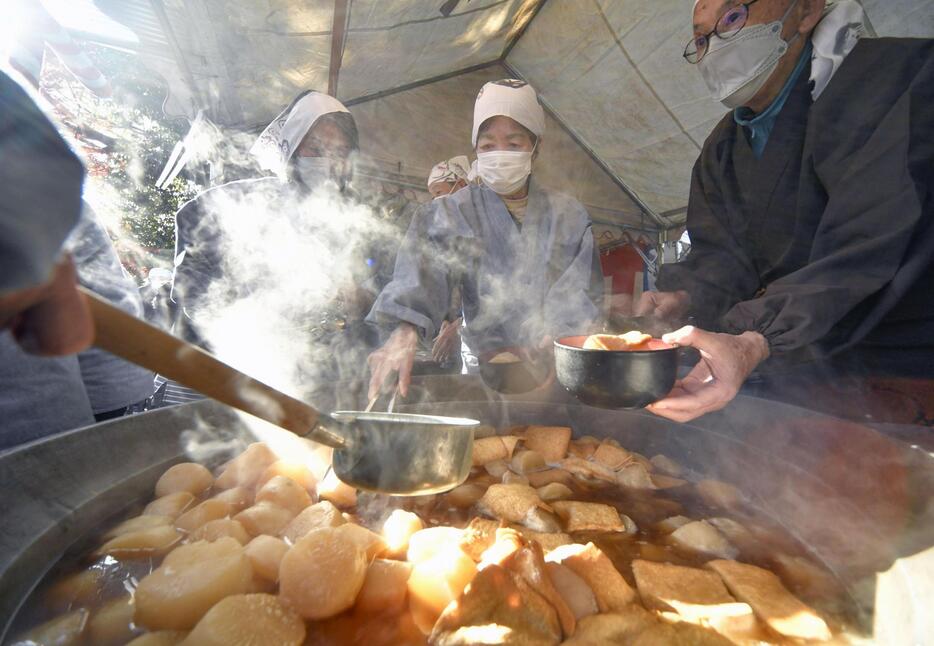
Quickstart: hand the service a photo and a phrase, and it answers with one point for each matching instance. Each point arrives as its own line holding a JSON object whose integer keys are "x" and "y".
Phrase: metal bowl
{"x": 613, "y": 378}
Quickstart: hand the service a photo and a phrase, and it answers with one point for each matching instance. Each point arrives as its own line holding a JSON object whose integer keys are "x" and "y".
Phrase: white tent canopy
{"x": 627, "y": 115}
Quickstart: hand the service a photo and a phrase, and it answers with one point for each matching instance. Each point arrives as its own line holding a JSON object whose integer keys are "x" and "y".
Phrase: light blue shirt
{"x": 759, "y": 126}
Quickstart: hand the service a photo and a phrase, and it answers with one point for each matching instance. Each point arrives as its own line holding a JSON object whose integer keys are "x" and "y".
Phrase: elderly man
{"x": 810, "y": 211}
{"x": 523, "y": 256}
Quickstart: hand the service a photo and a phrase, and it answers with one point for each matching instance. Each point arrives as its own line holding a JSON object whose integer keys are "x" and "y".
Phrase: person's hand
{"x": 726, "y": 361}
{"x": 446, "y": 341}
{"x": 395, "y": 357}
{"x": 663, "y": 305}
{"x": 50, "y": 319}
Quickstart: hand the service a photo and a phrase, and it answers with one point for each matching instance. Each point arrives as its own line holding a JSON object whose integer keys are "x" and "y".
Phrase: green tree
{"x": 126, "y": 141}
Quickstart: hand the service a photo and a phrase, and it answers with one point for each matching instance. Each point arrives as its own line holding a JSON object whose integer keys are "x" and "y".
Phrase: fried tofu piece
{"x": 548, "y": 540}
{"x": 763, "y": 591}
{"x": 734, "y": 620}
{"x": 488, "y": 449}
{"x": 478, "y": 536}
{"x": 661, "y": 583}
{"x": 583, "y": 447}
{"x": 635, "y": 476}
{"x": 594, "y": 567}
{"x": 612, "y": 456}
{"x": 550, "y": 441}
{"x": 588, "y": 469}
{"x": 493, "y": 448}
{"x": 613, "y": 628}
{"x": 700, "y": 536}
{"x": 592, "y": 516}
{"x": 681, "y": 634}
{"x": 526, "y": 559}
{"x": 511, "y": 502}
{"x": 528, "y": 562}
{"x": 496, "y": 604}
{"x": 549, "y": 476}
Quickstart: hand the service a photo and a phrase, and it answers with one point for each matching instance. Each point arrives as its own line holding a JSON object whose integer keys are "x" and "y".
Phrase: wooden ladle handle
{"x": 145, "y": 345}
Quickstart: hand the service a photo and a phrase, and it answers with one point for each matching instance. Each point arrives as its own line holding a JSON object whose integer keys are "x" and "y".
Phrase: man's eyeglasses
{"x": 730, "y": 24}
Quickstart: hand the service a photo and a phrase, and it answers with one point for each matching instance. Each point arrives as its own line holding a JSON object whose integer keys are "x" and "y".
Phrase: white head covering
{"x": 451, "y": 170}
{"x": 833, "y": 39}
{"x": 508, "y": 98}
{"x": 275, "y": 146}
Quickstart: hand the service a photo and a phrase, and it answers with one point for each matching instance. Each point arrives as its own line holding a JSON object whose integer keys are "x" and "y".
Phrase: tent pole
{"x": 662, "y": 223}
{"x": 418, "y": 84}
{"x": 515, "y": 39}
{"x": 338, "y": 33}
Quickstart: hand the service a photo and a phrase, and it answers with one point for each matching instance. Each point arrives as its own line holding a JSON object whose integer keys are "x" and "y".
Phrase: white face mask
{"x": 736, "y": 69}
{"x": 504, "y": 171}
{"x": 314, "y": 171}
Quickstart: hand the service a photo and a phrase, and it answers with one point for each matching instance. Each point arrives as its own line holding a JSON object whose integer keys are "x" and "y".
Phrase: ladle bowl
{"x": 403, "y": 455}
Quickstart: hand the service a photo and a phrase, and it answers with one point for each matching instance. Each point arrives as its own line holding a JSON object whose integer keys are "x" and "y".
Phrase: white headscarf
{"x": 508, "y": 98}
{"x": 833, "y": 39}
{"x": 451, "y": 170}
{"x": 274, "y": 148}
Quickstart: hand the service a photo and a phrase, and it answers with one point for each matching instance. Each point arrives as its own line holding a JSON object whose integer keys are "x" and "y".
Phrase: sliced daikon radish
{"x": 203, "y": 513}
{"x": 247, "y": 468}
{"x": 140, "y": 522}
{"x": 265, "y": 553}
{"x": 189, "y": 582}
{"x": 384, "y": 587}
{"x": 427, "y": 543}
{"x": 248, "y": 620}
{"x": 215, "y": 529}
{"x": 264, "y": 518}
{"x": 322, "y": 573}
{"x": 239, "y": 498}
{"x": 188, "y": 476}
{"x": 112, "y": 623}
{"x": 436, "y": 582}
{"x": 284, "y": 492}
{"x": 172, "y": 505}
{"x": 398, "y": 528}
{"x": 145, "y": 543}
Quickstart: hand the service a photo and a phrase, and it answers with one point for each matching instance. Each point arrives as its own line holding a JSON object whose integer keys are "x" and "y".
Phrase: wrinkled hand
{"x": 447, "y": 341}
{"x": 726, "y": 362}
{"x": 395, "y": 357}
{"x": 663, "y": 305}
{"x": 50, "y": 319}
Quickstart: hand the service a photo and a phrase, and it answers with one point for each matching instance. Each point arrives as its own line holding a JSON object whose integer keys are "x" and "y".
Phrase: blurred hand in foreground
{"x": 50, "y": 319}
{"x": 726, "y": 361}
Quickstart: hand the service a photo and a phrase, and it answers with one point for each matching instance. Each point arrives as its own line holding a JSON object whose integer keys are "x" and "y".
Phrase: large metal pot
{"x": 857, "y": 499}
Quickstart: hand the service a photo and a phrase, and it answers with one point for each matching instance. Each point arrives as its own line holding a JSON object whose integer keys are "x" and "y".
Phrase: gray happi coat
{"x": 518, "y": 284}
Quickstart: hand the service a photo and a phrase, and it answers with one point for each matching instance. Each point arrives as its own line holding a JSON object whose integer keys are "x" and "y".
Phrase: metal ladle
{"x": 392, "y": 453}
